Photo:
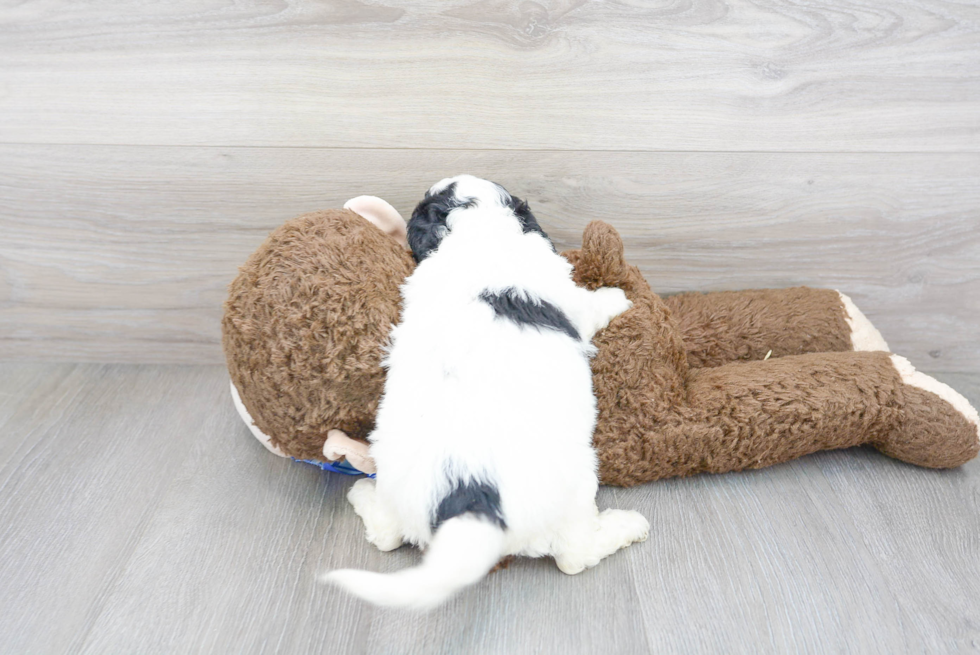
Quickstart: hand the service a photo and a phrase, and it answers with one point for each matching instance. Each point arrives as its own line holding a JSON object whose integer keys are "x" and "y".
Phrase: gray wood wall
{"x": 145, "y": 151}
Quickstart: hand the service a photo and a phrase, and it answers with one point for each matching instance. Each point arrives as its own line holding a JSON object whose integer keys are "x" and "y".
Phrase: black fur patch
{"x": 523, "y": 212}
{"x": 427, "y": 227}
{"x": 515, "y": 307}
{"x": 470, "y": 498}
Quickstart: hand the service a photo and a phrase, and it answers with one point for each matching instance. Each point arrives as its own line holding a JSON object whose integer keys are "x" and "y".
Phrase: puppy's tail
{"x": 463, "y": 550}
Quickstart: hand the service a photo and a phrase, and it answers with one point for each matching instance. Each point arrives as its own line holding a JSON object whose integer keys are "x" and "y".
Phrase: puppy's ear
{"x": 529, "y": 223}
{"x": 523, "y": 212}
{"x": 427, "y": 227}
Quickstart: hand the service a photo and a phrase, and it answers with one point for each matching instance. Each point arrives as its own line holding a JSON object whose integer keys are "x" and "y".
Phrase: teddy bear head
{"x": 306, "y": 322}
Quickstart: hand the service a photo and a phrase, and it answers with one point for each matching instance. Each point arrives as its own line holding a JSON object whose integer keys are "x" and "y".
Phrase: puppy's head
{"x": 430, "y": 222}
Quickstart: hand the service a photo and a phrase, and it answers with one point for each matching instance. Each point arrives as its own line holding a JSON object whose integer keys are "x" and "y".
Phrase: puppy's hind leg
{"x": 598, "y": 537}
{"x": 380, "y": 525}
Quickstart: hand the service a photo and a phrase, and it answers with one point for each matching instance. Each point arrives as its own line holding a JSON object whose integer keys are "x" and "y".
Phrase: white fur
{"x": 472, "y": 396}
{"x": 918, "y": 379}
{"x": 864, "y": 335}
{"x": 460, "y": 554}
{"x": 256, "y": 432}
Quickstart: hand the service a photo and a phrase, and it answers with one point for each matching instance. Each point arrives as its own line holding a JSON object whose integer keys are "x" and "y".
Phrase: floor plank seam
{"x": 631, "y": 568}
{"x": 609, "y": 151}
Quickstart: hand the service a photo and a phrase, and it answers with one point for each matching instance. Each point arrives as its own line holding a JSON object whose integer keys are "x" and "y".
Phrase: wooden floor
{"x": 137, "y": 515}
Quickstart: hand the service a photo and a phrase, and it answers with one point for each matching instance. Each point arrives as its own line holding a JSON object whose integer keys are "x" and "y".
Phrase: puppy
{"x": 483, "y": 441}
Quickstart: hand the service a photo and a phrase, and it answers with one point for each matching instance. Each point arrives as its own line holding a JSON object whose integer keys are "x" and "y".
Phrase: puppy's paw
{"x": 610, "y": 303}
{"x": 624, "y": 527}
{"x": 380, "y": 528}
{"x": 361, "y": 496}
{"x": 571, "y": 564}
{"x": 387, "y": 539}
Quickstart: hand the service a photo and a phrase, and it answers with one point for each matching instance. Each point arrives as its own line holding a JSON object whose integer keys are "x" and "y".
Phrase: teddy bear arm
{"x": 728, "y": 326}
{"x": 339, "y": 446}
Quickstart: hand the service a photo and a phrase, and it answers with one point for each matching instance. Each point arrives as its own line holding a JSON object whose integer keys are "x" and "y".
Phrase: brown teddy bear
{"x": 691, "y": 383}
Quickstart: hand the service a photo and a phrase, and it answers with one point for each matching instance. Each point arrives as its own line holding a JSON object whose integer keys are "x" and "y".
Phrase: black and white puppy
{"x": 483, "y": 443}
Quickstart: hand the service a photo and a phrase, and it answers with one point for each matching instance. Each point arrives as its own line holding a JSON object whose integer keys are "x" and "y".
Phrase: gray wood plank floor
{"x": 137, "y": 515}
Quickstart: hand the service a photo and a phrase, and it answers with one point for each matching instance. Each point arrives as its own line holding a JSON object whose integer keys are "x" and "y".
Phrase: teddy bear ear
{"x": 602, "y": 253}
{"x": 382, "y": 215}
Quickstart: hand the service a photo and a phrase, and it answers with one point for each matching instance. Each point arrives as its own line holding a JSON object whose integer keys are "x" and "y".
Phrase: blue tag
{"x": 337, "y": 467}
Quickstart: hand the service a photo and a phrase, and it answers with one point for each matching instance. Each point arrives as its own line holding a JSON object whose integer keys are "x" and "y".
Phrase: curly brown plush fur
{"x": 726, "y": 326}
{"x": 680, "y": 383}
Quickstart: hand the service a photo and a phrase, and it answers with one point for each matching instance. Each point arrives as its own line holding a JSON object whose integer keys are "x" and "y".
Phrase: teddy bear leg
{"x": 598, "y": 536}
{"x": 381, "y": 526}
{"x": 727, "y": 326}
{"x": 747, "y": 415}
{"x": 939, "y": 429}
{"x": 755, "y": 414}
{"x": 773, "y": 411}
